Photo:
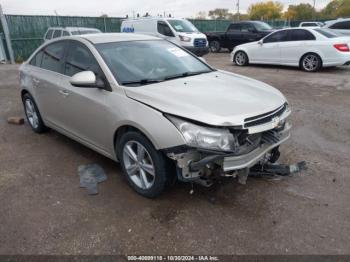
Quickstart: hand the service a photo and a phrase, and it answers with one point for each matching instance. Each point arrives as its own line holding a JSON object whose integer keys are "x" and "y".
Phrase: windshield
{"x": 145, "y": 62}
{"x": 182, "y": 26}
{"x": 261, "y": 26}
{"x": 327, "y": 33}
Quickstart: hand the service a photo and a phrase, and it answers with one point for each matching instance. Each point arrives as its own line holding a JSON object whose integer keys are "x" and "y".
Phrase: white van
{"x": 177, "y": 30}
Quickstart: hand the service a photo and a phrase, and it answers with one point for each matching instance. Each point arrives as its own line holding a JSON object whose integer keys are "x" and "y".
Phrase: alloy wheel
{"x": 31, "y": 113}
{"x": 240, "y": 58}
{"x": 310, "y": 63}
{"x": 138, "y": 164}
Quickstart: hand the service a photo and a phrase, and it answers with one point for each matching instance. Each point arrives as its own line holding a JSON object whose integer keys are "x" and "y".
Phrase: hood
{"x": 218, "y": 98}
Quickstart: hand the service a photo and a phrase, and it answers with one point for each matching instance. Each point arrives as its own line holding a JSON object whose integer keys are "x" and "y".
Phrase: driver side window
{"x": 280, "y": 36}
{"x": 164, "y": 29}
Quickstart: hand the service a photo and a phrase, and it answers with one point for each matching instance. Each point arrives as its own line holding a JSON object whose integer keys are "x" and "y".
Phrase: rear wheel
{"x": 241, "y": 58}
{"x": 215, "y": 46}
{"x": 311, "y": 62}
{"x": 147, "y": 170}
{"x": 33, "y": 115}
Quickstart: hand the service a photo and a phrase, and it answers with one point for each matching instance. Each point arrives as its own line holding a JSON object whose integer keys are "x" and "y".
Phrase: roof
{"x": 116, "y": 37}
{"x": 70, "y": 28}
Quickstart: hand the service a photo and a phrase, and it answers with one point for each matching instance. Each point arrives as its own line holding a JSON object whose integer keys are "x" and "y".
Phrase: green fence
{"x": 27, "y": 31}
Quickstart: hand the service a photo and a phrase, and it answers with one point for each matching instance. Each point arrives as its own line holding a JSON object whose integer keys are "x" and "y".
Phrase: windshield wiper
{"x": 142, "y": 82}
{"x": 185, "y": 75}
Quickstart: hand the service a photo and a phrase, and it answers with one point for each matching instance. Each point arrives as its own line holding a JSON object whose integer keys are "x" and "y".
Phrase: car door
{"x": 165, "y": 31}
{"x": 233, "y": 36}
{"x": 267, "y": 51}
{"x": 248, "y": 33}
{"x": 296, "y": 45}
{"x": 85, "y": 109}
{"x": 47, "y": 79}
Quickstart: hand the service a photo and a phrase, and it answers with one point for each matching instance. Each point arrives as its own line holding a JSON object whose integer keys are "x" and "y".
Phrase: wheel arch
{"x": 313, "y": 53}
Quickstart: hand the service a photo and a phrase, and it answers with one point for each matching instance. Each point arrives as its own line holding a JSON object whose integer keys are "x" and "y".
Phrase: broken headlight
{"x": 204, "y": 137}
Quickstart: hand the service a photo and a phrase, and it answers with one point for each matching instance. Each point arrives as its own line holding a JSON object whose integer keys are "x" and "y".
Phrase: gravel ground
{"x": 43, "y": 210}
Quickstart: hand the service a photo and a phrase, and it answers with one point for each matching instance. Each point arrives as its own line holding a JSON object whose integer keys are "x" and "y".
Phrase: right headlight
{"x": 204, "y": 137}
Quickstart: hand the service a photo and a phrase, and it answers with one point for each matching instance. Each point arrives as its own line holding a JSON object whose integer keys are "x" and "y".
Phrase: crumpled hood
{"x": 219, "y": 98}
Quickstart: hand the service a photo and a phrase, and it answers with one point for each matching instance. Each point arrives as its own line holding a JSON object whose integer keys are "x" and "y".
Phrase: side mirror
{"x": 84, "y": 79}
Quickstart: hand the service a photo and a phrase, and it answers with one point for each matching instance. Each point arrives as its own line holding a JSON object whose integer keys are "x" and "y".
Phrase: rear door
{"x": 269, "y": 51}
{"x": 47, "y": 79}
{"x": 233, "y": 36}
{"x": 57, "y": 33}
{"x": 85, "y": 113}
{"x": 296, "y": 45}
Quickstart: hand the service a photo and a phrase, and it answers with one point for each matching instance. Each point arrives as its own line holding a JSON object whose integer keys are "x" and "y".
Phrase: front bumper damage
{"x": 203, "y": 167}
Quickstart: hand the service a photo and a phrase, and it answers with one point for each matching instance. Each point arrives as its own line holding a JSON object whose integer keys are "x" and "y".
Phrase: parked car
{"x": 341, "y": 26}
{"x": 311, "y": 24}
{"x": 159, "y": 110}
{"x": 177, "y": 30}
{"x": 238, "y": 33}
{"x": 307, "y": 48}
{"x": 55, "y": 32}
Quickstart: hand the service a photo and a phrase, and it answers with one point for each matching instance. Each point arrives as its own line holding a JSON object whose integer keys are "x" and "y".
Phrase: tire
{"x": 33, "y": 115}
{"x": 215, "y": 46}
{"x": 311, "y": 62}
{"x": 138, "y": 169}
{"x": 240, "y": 58}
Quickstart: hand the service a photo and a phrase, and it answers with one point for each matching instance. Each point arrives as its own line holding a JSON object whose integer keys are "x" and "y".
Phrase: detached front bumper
{"x": 198, "y": 51}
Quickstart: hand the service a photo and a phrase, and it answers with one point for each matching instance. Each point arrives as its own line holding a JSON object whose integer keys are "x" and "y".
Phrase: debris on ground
{"x": 90, "y": 176}
{"x": 15, "y": 120}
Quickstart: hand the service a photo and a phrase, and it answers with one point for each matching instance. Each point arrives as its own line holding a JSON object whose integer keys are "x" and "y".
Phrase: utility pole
{"x": 238, "y": 10}
{"x": 314, "y": 14}
{"x": 7, "y": 35}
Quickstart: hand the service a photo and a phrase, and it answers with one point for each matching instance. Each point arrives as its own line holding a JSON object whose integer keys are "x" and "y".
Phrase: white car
{"x": 341, "y": 26}
{"x": 55, "y": 32}
{"x": 307, "y": 48}
{"x": 311, "y": 24}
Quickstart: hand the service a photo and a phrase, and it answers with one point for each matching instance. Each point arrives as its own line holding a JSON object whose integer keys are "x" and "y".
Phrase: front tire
{"x": 32, "y": 114}
{"x": 240, "y": 58}
{"x": 147, "y": 170}
{"x": 215, "y": 46}
{"x": 311, "y": 62}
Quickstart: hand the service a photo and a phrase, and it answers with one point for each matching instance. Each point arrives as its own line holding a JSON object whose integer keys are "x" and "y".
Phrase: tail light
{"x": 342, "y": 47}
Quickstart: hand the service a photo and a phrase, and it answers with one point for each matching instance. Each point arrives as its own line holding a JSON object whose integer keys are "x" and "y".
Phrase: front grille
{"x": 200, "y": 42}
{"x": 264, "y": 118}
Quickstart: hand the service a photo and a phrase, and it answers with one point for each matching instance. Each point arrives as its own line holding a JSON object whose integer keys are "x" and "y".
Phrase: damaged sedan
{"x": 159, "y": 110}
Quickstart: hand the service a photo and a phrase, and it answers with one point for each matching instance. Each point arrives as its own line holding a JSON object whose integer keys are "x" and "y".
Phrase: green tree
{"x": 300, "y": 12}
{"x": 220, "y": 13}
{"x": 265, "y": 10}
{"x": 336, "y": 8}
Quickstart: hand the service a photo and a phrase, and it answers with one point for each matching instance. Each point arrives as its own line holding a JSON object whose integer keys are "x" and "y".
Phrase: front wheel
{"x": 147, "y": 170}
{"x": 241, "y": 58}
{"x": 311, "y": 63}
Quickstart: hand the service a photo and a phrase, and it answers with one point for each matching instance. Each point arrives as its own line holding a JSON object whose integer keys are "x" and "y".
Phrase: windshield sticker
{"x": 178, "y": 27}
{"x": 178, "y": 52}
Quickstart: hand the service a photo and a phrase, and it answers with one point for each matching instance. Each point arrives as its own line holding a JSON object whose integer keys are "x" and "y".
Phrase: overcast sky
{"x": 179, "y": 8}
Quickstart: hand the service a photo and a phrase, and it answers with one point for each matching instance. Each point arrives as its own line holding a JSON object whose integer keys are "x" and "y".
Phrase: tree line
{"x": 269, "y": 10}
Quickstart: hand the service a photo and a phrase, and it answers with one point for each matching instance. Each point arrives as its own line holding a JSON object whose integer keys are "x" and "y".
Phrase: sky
{"x": 120, "y": 8}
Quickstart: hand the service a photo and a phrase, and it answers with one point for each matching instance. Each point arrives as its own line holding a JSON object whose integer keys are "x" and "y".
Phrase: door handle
{"x": 64, "y": 92}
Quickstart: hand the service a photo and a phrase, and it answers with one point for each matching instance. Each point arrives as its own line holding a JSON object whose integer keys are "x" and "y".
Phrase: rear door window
{"x": 345, "y": 25}
{"x": 53, "y": 57}
{"x": 48, "y": 35}
{"x": 57, "y": 33}
{"x": 65, "y": 33}
{"x": 300, "y": 35}
{"x": 234, "y": 28}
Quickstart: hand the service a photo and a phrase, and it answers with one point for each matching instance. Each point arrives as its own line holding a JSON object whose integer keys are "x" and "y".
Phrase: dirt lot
{"x": 43, "y": 210}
